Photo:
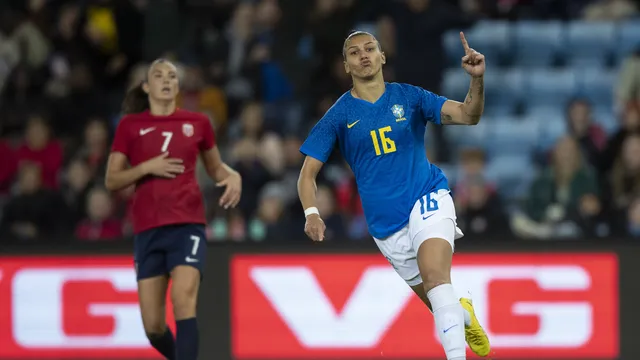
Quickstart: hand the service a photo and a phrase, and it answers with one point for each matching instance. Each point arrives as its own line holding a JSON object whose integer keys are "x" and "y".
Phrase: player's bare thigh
{"x": 152, "y": 294}
{"x": 184, "y": 291}
{"x": 434, "y": 261}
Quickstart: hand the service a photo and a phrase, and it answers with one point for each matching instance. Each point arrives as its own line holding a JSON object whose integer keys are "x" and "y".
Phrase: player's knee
{"x": 184, "y": 299}
{"x": 154, "y": 328}
{"x": 432, "y": 277}
{"x": 153, "y": 319}
{"x": 155, "y": 335}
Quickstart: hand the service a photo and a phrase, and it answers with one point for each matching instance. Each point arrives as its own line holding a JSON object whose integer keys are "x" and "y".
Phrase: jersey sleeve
{"x": 321, "y": 139}
{"x": 208, "y": 140}
{"x": 430, "y": 105}
{"x": 121, "y": 139}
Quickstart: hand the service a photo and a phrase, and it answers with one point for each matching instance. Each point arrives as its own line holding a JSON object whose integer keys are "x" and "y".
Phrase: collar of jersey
{"x": 384, "y": 94}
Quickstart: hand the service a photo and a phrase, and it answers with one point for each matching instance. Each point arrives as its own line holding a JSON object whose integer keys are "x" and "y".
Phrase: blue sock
{"x": 187, "y": 339}
{"x": 164, "y": 344}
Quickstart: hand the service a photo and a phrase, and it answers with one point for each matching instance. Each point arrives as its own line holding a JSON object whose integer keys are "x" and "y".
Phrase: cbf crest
{"x": 398, "y": 112}
{"x": 187, "y": 130}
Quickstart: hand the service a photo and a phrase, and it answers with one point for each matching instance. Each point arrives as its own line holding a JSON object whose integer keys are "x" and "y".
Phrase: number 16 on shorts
{"x": 428, "y": 204}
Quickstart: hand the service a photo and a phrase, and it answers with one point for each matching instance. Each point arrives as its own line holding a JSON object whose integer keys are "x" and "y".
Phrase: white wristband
{"x": 311, "y": 211}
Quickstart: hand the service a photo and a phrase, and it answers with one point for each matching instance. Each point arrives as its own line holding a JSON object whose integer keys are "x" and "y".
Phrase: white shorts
{"x": 433, "y": 216}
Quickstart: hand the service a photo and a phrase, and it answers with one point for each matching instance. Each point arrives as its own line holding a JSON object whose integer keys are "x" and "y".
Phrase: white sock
{"x": 450, "y": 320}
{"x": 467, "y": 317}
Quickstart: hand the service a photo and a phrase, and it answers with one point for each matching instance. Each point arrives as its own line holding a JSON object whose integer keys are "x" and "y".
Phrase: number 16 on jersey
{"x": 388, "y": 145}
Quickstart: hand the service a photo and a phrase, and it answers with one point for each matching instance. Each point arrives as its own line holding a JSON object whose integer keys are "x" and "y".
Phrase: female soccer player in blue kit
{"x": 410, "y": 214}
{"x": 156, "y": 148}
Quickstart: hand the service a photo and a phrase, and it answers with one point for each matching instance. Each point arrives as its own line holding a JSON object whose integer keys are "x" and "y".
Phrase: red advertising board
{"x": 355, "y": 306}
{"x": 71, "y": 308}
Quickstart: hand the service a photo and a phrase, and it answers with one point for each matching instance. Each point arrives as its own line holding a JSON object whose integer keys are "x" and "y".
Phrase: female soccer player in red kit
{"x": 156, "y": 147}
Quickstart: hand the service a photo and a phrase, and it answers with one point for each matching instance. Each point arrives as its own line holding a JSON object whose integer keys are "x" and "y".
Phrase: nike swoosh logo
{"x": 451, "y": 327}
{"x": 426, "y": 217}
{"x": 352, "y": 124}
{"x": 146, "y": 131}
{"x": 191, "y": 260}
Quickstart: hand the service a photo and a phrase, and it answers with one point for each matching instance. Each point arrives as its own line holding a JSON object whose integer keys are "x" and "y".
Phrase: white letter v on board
{"x": 294, "y": 292}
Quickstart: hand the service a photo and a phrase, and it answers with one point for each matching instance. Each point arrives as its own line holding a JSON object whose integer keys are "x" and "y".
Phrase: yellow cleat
{"x": 474, "y": 333}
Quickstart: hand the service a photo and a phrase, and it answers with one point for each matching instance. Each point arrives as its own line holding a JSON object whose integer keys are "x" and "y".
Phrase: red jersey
{"x": 158, "y": 201}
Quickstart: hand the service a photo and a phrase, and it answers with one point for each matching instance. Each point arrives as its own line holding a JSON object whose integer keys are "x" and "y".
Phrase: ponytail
{"x": 135, "y": 101}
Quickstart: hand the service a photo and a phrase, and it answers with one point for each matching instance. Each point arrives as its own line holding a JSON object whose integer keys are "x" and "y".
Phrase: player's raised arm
{"x": 469, "y": 112}
{"x": 314, "y": 227}
{"x": 224, "y": 176}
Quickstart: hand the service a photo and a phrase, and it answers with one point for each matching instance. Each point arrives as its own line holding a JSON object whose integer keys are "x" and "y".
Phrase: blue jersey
{"x": 383, "y": 142}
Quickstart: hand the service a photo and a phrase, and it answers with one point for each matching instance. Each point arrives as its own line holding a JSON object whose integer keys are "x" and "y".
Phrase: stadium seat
{"x": 455, "y": 84}
{"x": 512, "y": 174}
{"x": 499, "y": 110}
{"x": 488, "y": 37}
{"x": 589, "y": 43}
{"x": 503, "y": 90}
{"x": 628, "y": 38}
{"x": 491, "y": 38}
{"x": 537, "y": 43}
{"x": 512, "y": 135}
{"x": 550, "y": 87}
{"x": 468, "y": 136}
{"x": 551, "y": 124}
{"x": 453, "y": 47}
{"x": 597, "y": 85}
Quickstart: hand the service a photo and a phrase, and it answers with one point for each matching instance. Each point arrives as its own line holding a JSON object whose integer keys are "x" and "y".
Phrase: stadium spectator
{"x": 591, "y": 136}
{"x": 610, "y": 10}
{"x": 562, "y": 196}
{"x": 76, "y": 183}
{"x": 625, "y": 176}
{"x": 472, "y": 165}
{"x": 633, "y": 219}
{"x": 34, "y": 211}
{"x": 197, "y": 94}
{"x": 271, "y": 223}
{"x": 630, "y": 125}
{"x": 95, "y": 147}
{"x": 627, "y": 89}
{"x": 251, "y": 121}
{"x": 8, "y": 167}
{"x": 42, "y": 149}
{"x": 99, "y": 223}
{"x": 232, "y": 227}
{"x": 482, "y": 212}
{"x": 254, "y": 174}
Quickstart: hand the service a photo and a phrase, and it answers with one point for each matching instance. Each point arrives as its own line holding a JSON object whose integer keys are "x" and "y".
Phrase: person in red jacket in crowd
{"x": 40, "y": 149}
{"x": 99, "y": 223}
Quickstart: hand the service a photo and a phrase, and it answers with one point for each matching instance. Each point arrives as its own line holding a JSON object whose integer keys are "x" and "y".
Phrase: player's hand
{"x": 472, "y": 61}
{"x": 315, "y": 227}
{"x": 233, "y": 191}
{"x": 164, "y": 166}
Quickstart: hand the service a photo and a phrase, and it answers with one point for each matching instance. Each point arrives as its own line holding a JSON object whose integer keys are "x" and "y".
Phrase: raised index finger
{"x": 465, "y": 44}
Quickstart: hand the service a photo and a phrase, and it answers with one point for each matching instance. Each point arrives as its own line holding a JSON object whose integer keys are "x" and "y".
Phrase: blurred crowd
{"x": 265, "y": 71}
